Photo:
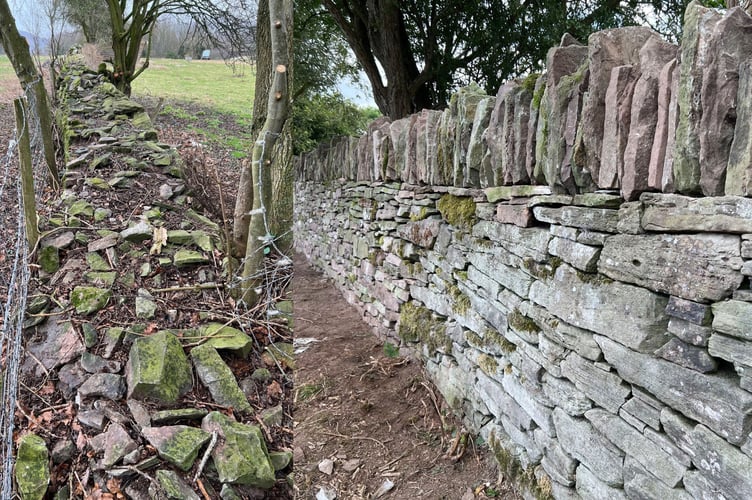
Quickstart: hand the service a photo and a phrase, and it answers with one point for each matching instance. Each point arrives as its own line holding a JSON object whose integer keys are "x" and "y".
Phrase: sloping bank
{"x": 123, "y": 347}
{"x": 549, "y": 255}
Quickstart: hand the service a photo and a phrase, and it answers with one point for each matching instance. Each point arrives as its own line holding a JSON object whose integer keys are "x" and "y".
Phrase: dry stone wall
{"x": 548, "y": 254}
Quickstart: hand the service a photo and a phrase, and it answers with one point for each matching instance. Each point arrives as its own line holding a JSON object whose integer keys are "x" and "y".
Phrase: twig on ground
{"x": 205, "y": 458}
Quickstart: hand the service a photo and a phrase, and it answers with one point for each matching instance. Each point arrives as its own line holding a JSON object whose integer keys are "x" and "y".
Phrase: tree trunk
{"x": 376, "y": 31}
{"x": 244, "y": 200}
{"x": 32, "y": 82}
{"x": 261, "y": 165}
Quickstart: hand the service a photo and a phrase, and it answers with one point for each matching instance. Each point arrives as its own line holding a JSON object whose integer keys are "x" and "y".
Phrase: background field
{"x": 211, "y": 84}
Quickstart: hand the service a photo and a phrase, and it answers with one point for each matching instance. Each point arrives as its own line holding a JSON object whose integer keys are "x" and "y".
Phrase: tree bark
{"x": 32, "y": 82}
{"x": 375, "y": 30}
{"x": 261, "y": 165}
{"x": 244, "y": 200}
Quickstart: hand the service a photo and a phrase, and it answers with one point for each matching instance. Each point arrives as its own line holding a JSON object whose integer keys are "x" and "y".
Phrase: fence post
{"x": 27, "y": 173}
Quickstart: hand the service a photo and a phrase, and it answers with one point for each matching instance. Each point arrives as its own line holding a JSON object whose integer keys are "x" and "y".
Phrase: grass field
{"x": 210, "y": 84}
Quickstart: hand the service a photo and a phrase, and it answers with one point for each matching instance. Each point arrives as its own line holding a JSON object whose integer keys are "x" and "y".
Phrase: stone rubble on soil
{"x": 126, "y": 387}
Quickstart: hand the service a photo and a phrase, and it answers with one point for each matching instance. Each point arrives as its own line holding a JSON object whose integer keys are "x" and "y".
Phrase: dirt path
{"x": 372, "y": 418}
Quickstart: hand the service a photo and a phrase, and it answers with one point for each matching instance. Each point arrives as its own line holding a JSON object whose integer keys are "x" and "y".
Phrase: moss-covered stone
{"x": 81, "y": 208}
{"x": 96, "y": 262}
{"x": 522, "y": 323}
{"x": 417, "y": 324}
{"x": 241, "y": 456}
{"x": 280, "y": 459}
{"x": 89, "y": 299}
{"x": 488, "y": 364}
{"x": 32, "y": 468}
{"x": 188, "y": 257}
{"x": 281, "y": 353}
{"x": 158, "y": 368}
{"x": 178, "y": 444}
{"x": 223, "y": 337}
{"x": 172, "y": 487}
{"x": 218, "y": 378}
{"x": 106, "y": 278}
{"x": 459, "y": 211}
{"x": 49, "y": 259}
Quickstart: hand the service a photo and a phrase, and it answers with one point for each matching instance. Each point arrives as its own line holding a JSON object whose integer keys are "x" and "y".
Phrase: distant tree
{"x": 32, "y": 82}
{"x": 415, "y": 54}
{"x": 322, "y": 117}
{"x": 91, "y": 17}
{"x": 228, "y": 23}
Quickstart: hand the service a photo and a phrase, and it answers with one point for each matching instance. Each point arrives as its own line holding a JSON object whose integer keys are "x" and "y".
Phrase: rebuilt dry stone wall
{"x": 570, "y": 259}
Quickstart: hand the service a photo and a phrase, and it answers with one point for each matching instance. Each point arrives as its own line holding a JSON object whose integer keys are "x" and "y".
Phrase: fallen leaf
{"x": 274, "y": 390}
{"x": 46, "y": 389}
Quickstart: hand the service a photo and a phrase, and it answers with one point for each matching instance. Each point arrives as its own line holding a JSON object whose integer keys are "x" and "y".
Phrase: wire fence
{"x": 14, "y": 278}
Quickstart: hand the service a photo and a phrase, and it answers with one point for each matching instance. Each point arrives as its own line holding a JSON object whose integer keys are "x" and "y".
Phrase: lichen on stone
{"x": 418, "y": 324}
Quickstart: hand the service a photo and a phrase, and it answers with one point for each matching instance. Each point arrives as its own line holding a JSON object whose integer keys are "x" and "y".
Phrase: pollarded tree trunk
{"x": 261, "y": 163}
{"x": 244, "y": 200}
{"x": 33, "y": 84}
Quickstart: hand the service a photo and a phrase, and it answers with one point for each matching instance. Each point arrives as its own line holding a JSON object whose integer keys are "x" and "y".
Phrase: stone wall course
{"x": 590, "y": 316}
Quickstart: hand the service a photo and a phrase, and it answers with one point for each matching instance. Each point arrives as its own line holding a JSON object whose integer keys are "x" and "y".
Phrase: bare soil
{"x": 372, "y": 414}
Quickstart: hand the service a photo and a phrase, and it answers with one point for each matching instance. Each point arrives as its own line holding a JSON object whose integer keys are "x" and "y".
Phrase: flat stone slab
{"x": 178, "y": 444}
{"x": 227, "y": 338}
{"x": 89, "y": 299}
{"x": 32, "y": 470}
{"x": 676, "y": 213}
{"x": 240, "y": 456}
{"x": 158, "y": 368}
{"x": 697, "y": 267}
{"x": 597, "y": 304}
{"x": 714, "y": 400}
{"x": 218, "y": 378}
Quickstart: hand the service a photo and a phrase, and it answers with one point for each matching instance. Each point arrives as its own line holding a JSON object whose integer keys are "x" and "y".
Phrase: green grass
{"x": 206, "y": 83}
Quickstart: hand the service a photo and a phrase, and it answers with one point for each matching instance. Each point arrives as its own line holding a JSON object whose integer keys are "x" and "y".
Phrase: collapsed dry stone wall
{"x": 549, "y": 257}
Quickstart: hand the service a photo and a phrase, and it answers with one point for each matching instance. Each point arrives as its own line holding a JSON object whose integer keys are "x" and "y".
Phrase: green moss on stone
{"x": 89, "y": 299}
{"x": 488, "y": 364}
{"x": 459, "y": 211}
{"x": 417, "y": 324}
{"x": 529, "y": 82}
{"x": 32, "y": 468}
{"x": 522, "y": 323}
{"x": 419, "y": 215}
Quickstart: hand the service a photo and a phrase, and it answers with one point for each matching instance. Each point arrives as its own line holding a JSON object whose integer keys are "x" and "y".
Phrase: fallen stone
{"x": 96, "y": 364}
{"x": 273, "y": 416}
{"x": 224, "y": 337}
{"x": 114, "y": 444}
{"x": 97, "y": 263}
{"x": 172, "y": 487}
{"x": 63, "y": 451}
{"x": 240, "y": 456}
{"x": 158, "y": 368}
{"x": 714, "y": 400}
{"x": 218, "y": 378}
{"x": 137, "y": 233}
{"x": 170, "y": 416}
{"x": 89, "y": 299}
{"x": 62, "y": 344}
{"x": 703, "y": 267}
{"x": 185, "y": 257}
{"x": 178, "y": 444}
{"x": 280, "y": 459}
{"x": 104, "y": 385}
{"x": 32, "y": 470}
{"x": 139, "y": 413}
{"x": 146, "y": 306}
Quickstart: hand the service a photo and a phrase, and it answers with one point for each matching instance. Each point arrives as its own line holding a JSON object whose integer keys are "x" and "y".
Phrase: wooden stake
{"x": 27, "y": 173}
